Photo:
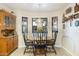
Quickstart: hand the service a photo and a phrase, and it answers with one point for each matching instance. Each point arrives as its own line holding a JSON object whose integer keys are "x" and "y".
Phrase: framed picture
{"x": 71, "y": 19}
{"x": 63, "y": 26}
{"x": 70, "y": 23}
{"x": 76, "y": 16}
{"x": 77, "y": 23}
{"x": 76, "y": 8}
{"x": 68, "y": 10}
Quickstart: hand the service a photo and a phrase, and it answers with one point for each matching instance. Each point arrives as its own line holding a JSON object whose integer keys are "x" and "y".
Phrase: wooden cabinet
{"x": 3, "y": 46}
{"x": 7, "y": 20}
{"x": 15, "y": 42}
{"x": 7, "y": 26}
{"x": 12, "y": 22}
{"x": 10, "y": 44}
{"x": 7, "y": 45}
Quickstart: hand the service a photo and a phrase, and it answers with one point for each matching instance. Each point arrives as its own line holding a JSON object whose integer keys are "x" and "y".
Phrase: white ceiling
{"x": 37, "y": 6}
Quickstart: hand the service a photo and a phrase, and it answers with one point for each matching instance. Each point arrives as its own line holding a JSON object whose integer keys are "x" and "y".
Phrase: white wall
{"x": 20, "y": 13}
{"x": 70, "y": 39}
{"x": 71, "y": 35}
{"x": 33, "y": 14}
{"x": 5, "y": 8}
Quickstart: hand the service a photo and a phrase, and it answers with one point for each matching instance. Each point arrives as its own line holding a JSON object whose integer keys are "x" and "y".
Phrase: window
{"x": 36, "y": 29}
{"x": 45, "y": 24}
{"x": 24, "y": 25}
{"x": 54, "y": 24}
{"x": 34, "y": 25}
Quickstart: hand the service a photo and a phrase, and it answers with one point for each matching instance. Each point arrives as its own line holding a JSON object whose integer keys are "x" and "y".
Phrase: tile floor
{"x": 60, "y": 52}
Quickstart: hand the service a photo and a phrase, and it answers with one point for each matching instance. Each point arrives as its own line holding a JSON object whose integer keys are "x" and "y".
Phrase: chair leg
{"x": 33, "y": 51}
{"x": 45, "y": 51}
{"x": 25, "y": 50}
{"x": 54, "y": 49}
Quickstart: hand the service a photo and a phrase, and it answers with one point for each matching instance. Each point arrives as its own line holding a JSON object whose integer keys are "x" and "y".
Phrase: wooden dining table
{"x": 39, "y": 47}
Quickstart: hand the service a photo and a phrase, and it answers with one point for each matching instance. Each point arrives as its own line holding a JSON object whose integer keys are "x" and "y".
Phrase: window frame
{"x": 24, "y": 25}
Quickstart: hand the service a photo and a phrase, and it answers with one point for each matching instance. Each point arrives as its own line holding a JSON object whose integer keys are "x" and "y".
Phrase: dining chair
{"x": 51, "y": 42}
{"x": 28, "y": 43}
{"x": 40, "y": 43}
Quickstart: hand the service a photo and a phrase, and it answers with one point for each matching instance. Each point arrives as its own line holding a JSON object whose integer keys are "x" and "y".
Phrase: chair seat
{"x": 49, "y": 42}
{"x": 29, "y": 42}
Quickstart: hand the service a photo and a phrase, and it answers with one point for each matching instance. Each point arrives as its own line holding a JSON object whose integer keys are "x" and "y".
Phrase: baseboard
{"x": 58, "y": 46}
{"x": 68, "y": 51}
{"x": 21, "y": 46}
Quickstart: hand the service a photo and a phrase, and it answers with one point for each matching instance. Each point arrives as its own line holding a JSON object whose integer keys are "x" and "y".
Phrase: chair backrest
{"x": 24, "y": 37}
{"x": 40, "y": 37}
{"x": 55, "y": 36}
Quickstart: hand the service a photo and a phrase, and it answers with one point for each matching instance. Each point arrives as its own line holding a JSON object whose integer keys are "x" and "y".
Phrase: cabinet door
{"x": 0, "y": 21}
{"x": 15, "y": 42}
{"x": 10, "y": 45}
{"x": 6, "y": 22}
{"x": 13, "y": 21}
{"x": 3, "y": 46}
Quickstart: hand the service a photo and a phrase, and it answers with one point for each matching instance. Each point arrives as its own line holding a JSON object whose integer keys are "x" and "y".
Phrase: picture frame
{"x": 63, "y": 26}
{"x": 77, "y": 23}
{"x": 76, "y": 15}
{"x": 71, "y": 19}
{"x": 70, "y": 23}
{"x": 69, "y": 10}
{"x": 76, "y": 8}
